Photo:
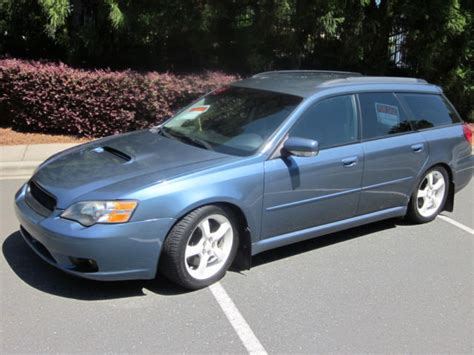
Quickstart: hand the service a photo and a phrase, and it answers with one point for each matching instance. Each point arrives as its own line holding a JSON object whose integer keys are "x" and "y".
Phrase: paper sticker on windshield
{"x": 193, "y": 112}
{"x": 200, "y": 109}
{"x": 387, "y": 114}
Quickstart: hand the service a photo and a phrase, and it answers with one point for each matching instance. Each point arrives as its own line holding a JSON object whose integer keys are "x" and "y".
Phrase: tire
{"x": 200, "y": 247}
{"x": 430, "y": 195}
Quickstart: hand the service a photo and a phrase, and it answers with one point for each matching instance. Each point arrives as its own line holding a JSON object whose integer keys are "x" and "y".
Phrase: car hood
{"x": 130, "y": 161}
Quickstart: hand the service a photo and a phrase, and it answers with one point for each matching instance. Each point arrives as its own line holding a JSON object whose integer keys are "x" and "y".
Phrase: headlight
{"x": 91, "y": 212}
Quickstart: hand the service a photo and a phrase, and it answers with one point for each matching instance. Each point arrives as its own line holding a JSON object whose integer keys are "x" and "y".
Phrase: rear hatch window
{"x": 429, "y": 110}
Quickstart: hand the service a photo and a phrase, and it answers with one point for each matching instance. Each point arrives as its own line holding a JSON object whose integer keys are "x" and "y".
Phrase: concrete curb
{"x": 20, "y": 161}
{"x": 18, "y": 168}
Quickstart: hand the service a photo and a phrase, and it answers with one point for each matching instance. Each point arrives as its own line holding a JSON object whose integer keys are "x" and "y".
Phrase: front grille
{"x": 47, "y": 200}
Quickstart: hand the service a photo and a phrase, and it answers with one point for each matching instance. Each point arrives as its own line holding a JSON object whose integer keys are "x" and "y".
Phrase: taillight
{"x": 467, "y": 132}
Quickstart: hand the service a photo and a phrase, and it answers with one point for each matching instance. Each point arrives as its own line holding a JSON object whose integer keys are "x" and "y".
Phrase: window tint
{"x": 429, "y": 110}
{"x": 382, "y": 115}
{"x": 331, "y": 122}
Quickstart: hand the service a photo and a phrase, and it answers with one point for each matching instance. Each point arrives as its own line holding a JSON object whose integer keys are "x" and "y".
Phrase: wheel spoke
{"x": 219, "y": 253}
{"x": 202, "y": 263}
{"x": 219, "y": 233}
{"x": 193, "y": 250}
{"x": 430, "y": 204}
{"x": 422, "y": 194}
{"x": 438, "y": 185}
{"x": 205, "y": 228}
{"x": 424, "y": 206}
{"x": 430, "y": 180}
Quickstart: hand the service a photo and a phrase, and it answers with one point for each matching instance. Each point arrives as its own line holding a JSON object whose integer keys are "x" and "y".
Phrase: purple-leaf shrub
{"x": 55, "y": 98}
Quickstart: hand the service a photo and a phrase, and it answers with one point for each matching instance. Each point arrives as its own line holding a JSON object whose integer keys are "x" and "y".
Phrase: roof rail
{"x": 374, "y": 80}
{"x": 322, "y": 72}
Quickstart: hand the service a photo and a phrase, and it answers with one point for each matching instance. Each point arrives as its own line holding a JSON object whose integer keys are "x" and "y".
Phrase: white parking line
{"x": 457, "y": 224}
{"x": 243, "y": 330}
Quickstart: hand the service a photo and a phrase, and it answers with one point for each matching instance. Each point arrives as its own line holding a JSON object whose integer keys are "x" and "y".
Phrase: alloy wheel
{"x": 209, "y": 247}
{"x": 431, "y": 193}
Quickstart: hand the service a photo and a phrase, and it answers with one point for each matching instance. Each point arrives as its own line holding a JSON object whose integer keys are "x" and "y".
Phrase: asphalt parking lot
{"x": 385, "y": 287}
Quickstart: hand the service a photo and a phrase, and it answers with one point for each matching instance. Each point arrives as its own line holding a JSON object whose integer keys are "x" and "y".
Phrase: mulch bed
{"x": 10, "y": 137}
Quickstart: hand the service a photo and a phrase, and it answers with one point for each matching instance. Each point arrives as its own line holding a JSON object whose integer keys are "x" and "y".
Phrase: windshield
{"x": 232, "y": 120}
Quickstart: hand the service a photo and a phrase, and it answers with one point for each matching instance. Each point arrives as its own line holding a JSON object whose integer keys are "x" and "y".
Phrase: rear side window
{"x": 331, "y": 122}
{"x": 382, "y": 115}
{"x": 429, "y": 110}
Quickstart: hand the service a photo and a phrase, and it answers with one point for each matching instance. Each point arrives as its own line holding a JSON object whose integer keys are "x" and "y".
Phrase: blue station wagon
{"x": 264, "y": 162}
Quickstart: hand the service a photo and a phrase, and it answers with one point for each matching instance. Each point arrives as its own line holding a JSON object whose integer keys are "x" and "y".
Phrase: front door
{"x": 302, "y": 192}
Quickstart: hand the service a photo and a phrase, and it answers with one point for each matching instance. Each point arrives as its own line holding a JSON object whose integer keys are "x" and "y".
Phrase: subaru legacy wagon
{"x": 264, "y": 162}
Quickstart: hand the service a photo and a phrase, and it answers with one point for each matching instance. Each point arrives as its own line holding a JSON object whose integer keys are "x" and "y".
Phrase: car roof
{"x": 305, "y": 83}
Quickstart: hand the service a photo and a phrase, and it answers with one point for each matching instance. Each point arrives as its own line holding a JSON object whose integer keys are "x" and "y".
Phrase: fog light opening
{"x": 84, "y": 265}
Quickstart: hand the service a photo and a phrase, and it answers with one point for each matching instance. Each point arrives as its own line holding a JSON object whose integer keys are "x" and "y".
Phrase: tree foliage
{"x": 57, "y": 12}
{"x": 432, "y": 39}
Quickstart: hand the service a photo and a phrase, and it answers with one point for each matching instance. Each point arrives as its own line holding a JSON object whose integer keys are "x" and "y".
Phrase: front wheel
{"x": 200, "y": 247}
{"x": 430, "y": 196}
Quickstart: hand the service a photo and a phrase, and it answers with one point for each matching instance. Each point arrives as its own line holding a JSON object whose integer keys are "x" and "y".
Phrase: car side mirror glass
{"x": 301, "y": 147}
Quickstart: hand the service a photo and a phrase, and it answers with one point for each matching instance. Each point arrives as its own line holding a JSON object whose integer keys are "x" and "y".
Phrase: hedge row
{"x": 55, "y": 98}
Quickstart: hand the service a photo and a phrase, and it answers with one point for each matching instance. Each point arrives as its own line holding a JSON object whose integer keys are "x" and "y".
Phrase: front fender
{"x": 240, "y": 186}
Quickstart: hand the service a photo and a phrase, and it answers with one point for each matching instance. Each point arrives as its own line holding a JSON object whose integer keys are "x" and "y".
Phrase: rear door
{"x": 439, "y": 123}
{"x": 394, "y": 153}
{"x": 301, "y": 192}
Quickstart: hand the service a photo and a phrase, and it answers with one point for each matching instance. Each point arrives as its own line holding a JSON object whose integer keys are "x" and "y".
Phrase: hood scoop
{"x": 113, "y": 151}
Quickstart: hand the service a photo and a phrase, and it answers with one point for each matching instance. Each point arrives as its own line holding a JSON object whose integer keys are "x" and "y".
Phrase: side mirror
{"x": 301, "y": 147}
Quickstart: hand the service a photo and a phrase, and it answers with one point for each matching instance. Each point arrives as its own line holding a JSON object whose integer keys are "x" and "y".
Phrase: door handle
{"x": 417, "y": 148}
{"x": 349, "y": 162}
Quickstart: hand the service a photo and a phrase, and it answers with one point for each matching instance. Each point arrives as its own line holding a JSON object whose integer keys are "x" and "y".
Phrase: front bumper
{"x": 121, "y": 251}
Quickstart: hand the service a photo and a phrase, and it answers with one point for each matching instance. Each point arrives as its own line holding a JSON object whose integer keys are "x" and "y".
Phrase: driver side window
{"x": 331, "y": 122}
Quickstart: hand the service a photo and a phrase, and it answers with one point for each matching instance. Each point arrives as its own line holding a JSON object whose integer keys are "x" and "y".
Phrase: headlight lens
{"x": 88, "y": 213}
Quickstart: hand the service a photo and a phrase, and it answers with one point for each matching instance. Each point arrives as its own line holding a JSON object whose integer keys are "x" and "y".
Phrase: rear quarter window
{"x": 428, "y": 110}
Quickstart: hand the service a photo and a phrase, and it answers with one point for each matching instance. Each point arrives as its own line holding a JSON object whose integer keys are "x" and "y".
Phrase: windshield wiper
{"x": 181, "y": 136}
{"x": 162, "y": 130}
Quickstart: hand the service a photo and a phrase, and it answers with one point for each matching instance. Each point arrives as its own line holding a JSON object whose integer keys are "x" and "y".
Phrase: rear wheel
{"x": 430, "y": 196}
{"x": 200, "y": 247}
